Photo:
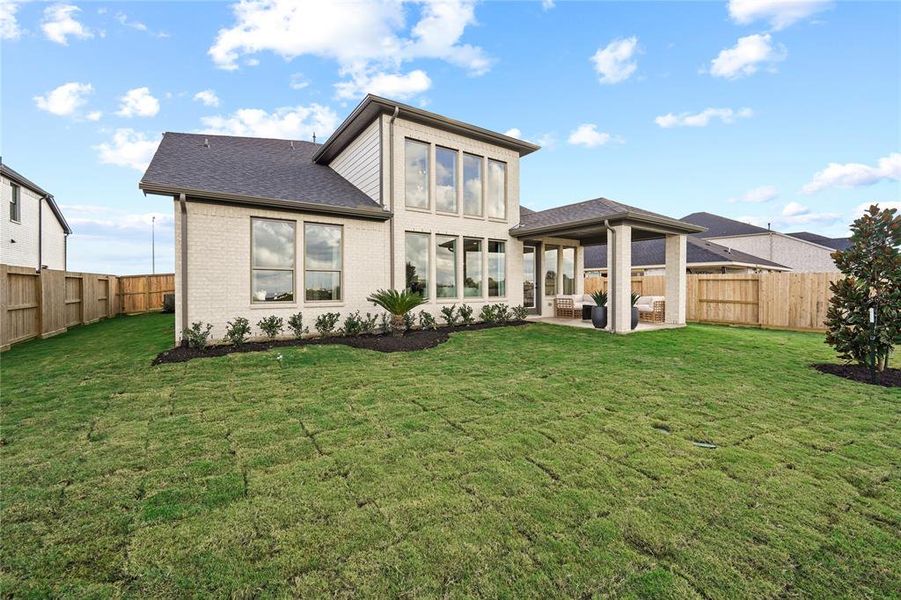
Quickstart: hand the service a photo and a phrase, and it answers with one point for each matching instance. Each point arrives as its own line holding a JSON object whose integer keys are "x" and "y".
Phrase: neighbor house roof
{"x": 592, "y": 212}
{"x": 822, "y": 240}
{"x": 14, "y": 175}
{"x": 372, "y": 106}
{"x": 248, "y": 170}
{"x": 652, "y": 253}
{"x": 718, "y": 226}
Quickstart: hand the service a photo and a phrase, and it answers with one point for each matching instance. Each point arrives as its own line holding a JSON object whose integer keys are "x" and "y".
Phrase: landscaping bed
{"x": 419, "y": 339}
{"x": 890, "y": 378}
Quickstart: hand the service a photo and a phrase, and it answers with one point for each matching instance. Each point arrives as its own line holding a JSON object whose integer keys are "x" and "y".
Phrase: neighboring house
{"x": 703, "y": 256}
{"x": 32, "y": 226}
{"x": 834, "y": 243}
{"x": 396, "y": 197}
{"x": 797, "y": 253}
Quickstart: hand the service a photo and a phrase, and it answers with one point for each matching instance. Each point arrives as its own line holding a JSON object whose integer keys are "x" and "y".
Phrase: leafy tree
{"x": 398, "y": 304}
{"x": 872, "y": 279}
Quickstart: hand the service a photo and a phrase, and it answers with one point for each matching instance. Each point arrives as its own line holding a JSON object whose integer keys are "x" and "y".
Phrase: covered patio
{"x": 602, "y": 221}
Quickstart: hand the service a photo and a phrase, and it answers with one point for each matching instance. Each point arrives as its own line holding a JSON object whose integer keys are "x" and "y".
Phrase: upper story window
{"x": 497, "y": 189}
{"x": 323, "y": 261}
{"x": 416, "y": 174}
{"x": 472, "y": 185}
{"x": 15, "y": 207}
{"x": 446, "y": 179}
{"x": 272, "y": 260}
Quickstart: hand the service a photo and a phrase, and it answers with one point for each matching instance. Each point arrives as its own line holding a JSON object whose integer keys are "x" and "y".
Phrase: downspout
{"x": 183, "y": 209}
{"x": 611, "y": 236}
{"x": 391, "y": 192}
{"x": 41, "y": 233}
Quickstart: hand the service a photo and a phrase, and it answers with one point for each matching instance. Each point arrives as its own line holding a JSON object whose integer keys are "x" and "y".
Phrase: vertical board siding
{"x": 359, "y": 163}
{"x": 43, "y": 304}
{"x": 771, "y": 300}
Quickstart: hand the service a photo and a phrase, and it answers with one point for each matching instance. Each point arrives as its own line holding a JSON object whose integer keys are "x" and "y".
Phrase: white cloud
{"x": 851, "y": 175}
{"x": 514, "y": 132}
{"x": 794, "y": 209}
{"x": 758, "y": 195}
{"x": 94, "y": 115}
{"x": 703, "y": 118}
{"x": 392, "y": 85}
{"x": 794, "y": 215}
{"x": 779, "y": 13}
{"x": 298, "y": 81}
{"x": 125, "y": 21}
{"x": 547, "y": 4}
{"x": 369, "y": 41}
{"x": 138, "y": 102}
{"x": 588, "y": 135}
{"x": 746, "y": 57}
{"x": 128, "y": 148}
{"x": 9, "y": 25}
{"x": 207, "y": 97}
{"x": 65, "y": 100}
{"x": 59, "y": 23}
{"x": 615, "y": 62}
{"x": 292, "y": 122}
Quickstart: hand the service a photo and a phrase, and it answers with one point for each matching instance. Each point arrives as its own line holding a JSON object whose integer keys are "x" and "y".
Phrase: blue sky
{"x": 765, "y": 110}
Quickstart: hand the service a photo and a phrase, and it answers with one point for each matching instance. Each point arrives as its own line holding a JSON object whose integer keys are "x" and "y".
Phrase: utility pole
{"x": 153, "y": 244}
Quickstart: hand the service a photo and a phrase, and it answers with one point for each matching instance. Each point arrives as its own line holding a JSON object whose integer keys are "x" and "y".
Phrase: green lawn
{"x": 528, "y": 461}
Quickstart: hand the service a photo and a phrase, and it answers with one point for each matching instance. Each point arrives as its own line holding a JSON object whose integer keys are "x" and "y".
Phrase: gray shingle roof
{"x": 822, "y": 240}
{"x": 698, "y": 251}
{"x": 14, "y": 175}
{"x": 252, "y": 168}
{"x": 718, "y": 226}
{"x": 597, "y": 209}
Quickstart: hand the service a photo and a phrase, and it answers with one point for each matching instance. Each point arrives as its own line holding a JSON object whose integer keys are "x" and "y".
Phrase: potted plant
{"x": 599, "y": 311}
{"x": 635, "y": 298}
{"x": 398, "y": 304}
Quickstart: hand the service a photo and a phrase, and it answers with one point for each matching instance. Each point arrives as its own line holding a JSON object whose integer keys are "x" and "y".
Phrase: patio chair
{"x": 564, "y": 306}
{"x": 651, "y": 309}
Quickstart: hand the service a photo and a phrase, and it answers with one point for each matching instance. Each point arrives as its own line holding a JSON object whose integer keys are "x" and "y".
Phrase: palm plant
{"x": 398, "y": 304}
{"x": 635, "y": 297}
{"x": 600, "y": 298}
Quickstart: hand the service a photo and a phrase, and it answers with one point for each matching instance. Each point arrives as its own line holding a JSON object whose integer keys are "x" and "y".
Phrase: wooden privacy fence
{"x": 770, "y": 300}
{"x": 44, "y": 304}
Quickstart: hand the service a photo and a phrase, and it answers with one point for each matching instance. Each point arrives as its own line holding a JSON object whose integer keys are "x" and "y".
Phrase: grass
{"x": 535, "y": 461}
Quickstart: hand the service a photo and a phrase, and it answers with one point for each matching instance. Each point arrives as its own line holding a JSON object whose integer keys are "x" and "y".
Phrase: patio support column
{"x": 675, "y": 279}
{"x": 580, "y": 270}
{"x": 621, "y": 286}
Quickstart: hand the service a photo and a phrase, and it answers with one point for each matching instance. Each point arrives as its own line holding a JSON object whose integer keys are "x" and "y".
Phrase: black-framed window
{"x": 15, "y": 206}
{"x": 417, "y": 262}
{"x": 272, "y": 260}
{"x": 323, "y": 261}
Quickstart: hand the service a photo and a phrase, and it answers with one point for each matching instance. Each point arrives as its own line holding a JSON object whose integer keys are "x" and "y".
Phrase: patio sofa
{"x": 570, "y": 305}
{"x": 651, "y": 308}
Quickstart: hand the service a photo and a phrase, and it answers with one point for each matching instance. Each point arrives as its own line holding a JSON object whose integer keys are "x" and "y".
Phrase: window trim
{"x": 15, "y": 200}
{"x": 340, "y": 298}
{"x": 482, "y": 184}
{"x": 502, "y": 219}
{"x": 428, "y": 261}
{"x": 458, "y": 169}
{"x": 488, "y": 274}
{"x": 428, "y": 175}
{"x": 293, "y": 270}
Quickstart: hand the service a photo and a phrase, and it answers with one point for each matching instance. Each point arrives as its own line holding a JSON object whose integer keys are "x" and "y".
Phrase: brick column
{"x": 675, "y": 279}
{"x": 620, "y": 313}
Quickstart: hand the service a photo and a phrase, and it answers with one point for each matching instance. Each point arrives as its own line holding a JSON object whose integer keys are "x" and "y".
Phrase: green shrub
{"x": 409, "y": 321}
{"x": 295, "y": 324}
{"x": 502, "y": 313}
{"x": 197, "y": 336}
{"x": 464, "y": 315}
{"x": 520, "y": 313}
{"x": 385, "y": 323}
{"x": 326, "y": 322}
{"x": 488, "y": 314}
{"x": 272, "y": 325}
{"x": 354, "y": 324}
{"x": 449, "y": 314}
{"x": 237, "y": 331}
{"x": 427, "y": 321}
{"x": 369, "y": 323}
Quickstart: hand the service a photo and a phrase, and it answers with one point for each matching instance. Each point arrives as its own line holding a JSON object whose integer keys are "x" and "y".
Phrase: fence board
{"x": 42, "y": 304}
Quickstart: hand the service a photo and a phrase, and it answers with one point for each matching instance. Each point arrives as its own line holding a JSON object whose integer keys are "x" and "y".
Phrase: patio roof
{"x": 585, "y": 221}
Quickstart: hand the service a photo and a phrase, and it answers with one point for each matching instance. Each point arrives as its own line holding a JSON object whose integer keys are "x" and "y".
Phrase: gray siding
{"x": 359, "y": 162}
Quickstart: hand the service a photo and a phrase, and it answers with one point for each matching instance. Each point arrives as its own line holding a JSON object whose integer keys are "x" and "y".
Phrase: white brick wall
{"x": 801, "y": 256}
{"x": 24, "y": 251}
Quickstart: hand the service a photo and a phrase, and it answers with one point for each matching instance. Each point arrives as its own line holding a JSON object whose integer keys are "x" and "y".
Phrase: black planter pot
{"x": 634, "y": 317}
{"x": 599, "y": 317}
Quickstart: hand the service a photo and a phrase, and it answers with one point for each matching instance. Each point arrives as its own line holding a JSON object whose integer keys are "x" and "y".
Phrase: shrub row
{"x": 238, "y": 330}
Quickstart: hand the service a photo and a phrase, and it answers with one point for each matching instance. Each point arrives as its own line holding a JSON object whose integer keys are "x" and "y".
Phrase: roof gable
{"x": 647, "y": 253}
{"x": 20, "y": 179}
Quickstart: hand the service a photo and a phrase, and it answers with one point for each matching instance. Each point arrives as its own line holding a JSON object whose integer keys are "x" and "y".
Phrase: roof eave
{"x": 372, "y": 106}
{"x": 658, "y": 222}
{"x": 294, "y": 205}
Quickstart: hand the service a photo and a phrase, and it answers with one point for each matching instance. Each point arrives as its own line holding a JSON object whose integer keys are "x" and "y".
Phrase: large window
{"x": 14, "y": 204}
{"x": 416, "y": 174}
{"x": 472, "y": 185}
{"x": 272, "y": 260}
{"x": 322, "y": 261}
{"x": 417, "y": 264}
{"x": 472, "y": 268}
{"x": 550, "y": 270}
{"x": 445, "y": 266}
{"x": 568, "y": 268}
{"x": 497, "y": 269}
{"x": 497, "y": 189}
{"x": 446, "y": 179}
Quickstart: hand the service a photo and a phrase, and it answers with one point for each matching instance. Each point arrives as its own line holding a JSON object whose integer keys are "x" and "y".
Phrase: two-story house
{"x": 33, "y": 231}
{"x": 397, "y": 197}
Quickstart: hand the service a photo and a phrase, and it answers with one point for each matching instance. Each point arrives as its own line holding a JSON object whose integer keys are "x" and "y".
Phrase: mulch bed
{"x": 889, "y": 378}
{"x": 409, "y": 342}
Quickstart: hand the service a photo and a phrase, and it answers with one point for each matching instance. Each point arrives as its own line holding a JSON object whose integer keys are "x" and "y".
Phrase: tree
{"x": 872, "y": 280}
{"x": 398, "y": 304}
